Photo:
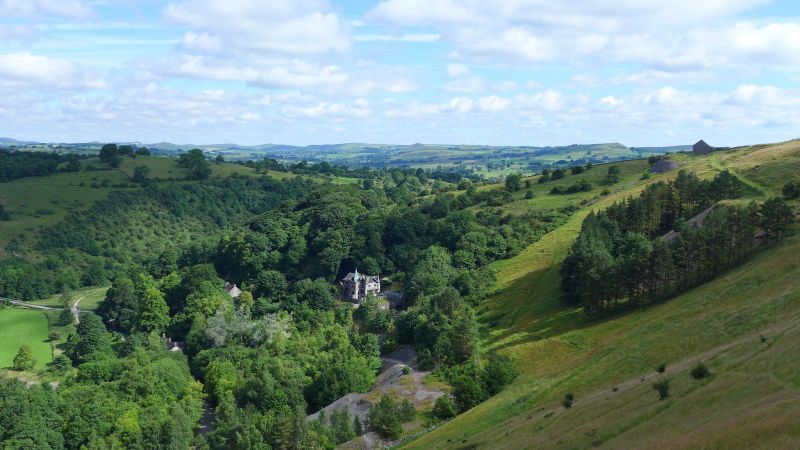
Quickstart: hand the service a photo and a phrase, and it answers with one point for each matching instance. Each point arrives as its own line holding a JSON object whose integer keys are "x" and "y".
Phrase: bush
{"x": 53, "y": 336}
{"x": 444, "y": 408}
{"x": 529, "y": 195}
{"x": 662, "y": 387}
{"x": 661, "y": 368}
{"x": 568, "y": 399}
{"x": 406, "y": 370}
{"x": 499, "y": 371}
{"x": 700, "y": 371}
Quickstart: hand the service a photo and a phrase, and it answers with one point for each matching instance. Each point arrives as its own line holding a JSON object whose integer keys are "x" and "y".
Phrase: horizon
{"x": 312, "y": 72}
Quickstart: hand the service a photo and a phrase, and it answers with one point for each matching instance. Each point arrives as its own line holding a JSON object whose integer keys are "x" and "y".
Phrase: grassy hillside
{"x": 751, "y": 397}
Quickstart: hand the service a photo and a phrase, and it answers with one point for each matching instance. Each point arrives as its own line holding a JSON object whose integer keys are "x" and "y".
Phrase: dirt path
{"x": 76, "y": 312}
{"x": 31, "y": 306}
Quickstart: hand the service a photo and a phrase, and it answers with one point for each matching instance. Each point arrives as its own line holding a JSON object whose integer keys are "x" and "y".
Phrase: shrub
{"x": 662, "y": 387}
{"x": 661, "y": 368}
{"x": 53, "y": 336}
{"x": 529, "y": 195}
{"x": 406, "y": 370}
{"x": 568, "y": 399}
{"x": 700, "y": 371}
{"x": 444, "y": 408}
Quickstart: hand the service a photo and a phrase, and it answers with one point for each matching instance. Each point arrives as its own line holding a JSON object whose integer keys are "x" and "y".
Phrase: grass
{"x": 23, "y": 326}
{"x": 89, "y": 298}
{"x": 752, "y": 399}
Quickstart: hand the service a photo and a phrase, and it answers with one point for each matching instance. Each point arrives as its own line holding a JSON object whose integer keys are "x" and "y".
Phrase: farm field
{"x": 23, "y": 326}
{"x": 743, "y": 325}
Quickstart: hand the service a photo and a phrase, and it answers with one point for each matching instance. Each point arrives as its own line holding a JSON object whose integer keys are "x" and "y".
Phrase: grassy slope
{"x": 560, "y": 350}
{"x": 23, "y": 326}
{"x": 43, "y": 201}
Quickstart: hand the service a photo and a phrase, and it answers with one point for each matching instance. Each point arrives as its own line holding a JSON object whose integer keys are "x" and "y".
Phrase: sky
{"x": 495, "y": 72}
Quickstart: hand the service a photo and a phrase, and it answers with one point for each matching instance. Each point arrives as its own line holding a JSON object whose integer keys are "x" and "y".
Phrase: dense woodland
{"x": 672, "y": 237}
{"x": 17, "y": 164}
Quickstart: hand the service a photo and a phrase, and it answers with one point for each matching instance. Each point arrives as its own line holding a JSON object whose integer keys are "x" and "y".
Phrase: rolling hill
{"x": 744, "y": 325}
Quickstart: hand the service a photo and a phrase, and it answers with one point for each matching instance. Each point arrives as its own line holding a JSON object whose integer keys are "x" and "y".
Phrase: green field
{"x": 752, "y": 399}
{"x": 23, "y": 326}
{"x": 88, "y": 298}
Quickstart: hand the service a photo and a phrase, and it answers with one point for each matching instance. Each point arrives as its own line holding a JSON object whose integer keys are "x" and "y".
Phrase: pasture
{"x": 24, "y": 326}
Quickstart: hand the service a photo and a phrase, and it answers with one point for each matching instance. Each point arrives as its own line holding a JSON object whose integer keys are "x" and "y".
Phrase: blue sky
{"x": 500, "y": 72}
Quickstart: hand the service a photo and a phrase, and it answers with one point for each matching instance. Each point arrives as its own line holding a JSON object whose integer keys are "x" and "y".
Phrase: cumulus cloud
{"x": 28, "y": 71}
{"x": 300, "y": 27}
{"x": 658, "y": 34}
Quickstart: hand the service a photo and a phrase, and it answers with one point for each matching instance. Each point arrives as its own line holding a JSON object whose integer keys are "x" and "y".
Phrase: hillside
{"x": 608, "y": 363}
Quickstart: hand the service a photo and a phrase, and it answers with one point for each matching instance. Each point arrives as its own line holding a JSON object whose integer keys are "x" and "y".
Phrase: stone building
{"x": 356, "y": 287}
{"x": 701, "y": 148}
{"x": 232, "y": 290}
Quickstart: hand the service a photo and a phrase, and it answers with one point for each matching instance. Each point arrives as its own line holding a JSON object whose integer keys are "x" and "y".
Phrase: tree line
{"x": 671, "y": 238}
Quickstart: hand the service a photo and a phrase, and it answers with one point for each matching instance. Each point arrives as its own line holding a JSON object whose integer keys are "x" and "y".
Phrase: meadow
{"x": 24, "y": 326}
{"x": 744, "y": 325}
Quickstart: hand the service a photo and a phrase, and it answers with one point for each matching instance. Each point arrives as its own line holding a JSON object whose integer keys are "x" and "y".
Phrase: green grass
{"x": 89, "y": 298}
{"x": 23, "y": 326}
{"x": 749, "y": 401}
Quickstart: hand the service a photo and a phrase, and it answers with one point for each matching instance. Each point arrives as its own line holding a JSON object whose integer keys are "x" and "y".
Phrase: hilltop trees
{"x": 195, "y": 161}
{"x": 623, "y": 255}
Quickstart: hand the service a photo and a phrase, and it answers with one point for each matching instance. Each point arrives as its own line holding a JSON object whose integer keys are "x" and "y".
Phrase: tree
{"x": 612, "y": 176}
{"x": 219, "y": 159}
{"x": 107, "y": 152}
{"x": 153, "y": 312}
{"x": 24, "y": 359}
{"x": 91, "y": 341}
{"x": 358, "y": 426}
{"x": 195, "y": 161}
{"x": 514, "y": 182}
{"x": 141, "y": 174}
{"x": 142, "y": 151}
{"x": 776, "y": 216}
{"x": 384, "y": 418}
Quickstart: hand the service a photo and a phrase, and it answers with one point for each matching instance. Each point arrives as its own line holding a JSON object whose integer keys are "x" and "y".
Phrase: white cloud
{"x": 409, "y": 37}
{"x": 470, "y": 84}
{"x": 28, "y": 71}
{"x": 457, "y": 70}
{"x": 300, "y": 27}
{"x": 37, "y": 9}
{"x": 680, "y": 35}
{"x": 355, "y": 110}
